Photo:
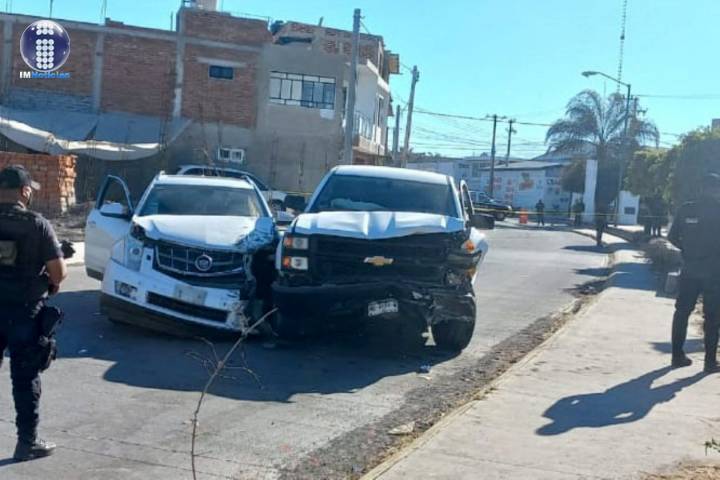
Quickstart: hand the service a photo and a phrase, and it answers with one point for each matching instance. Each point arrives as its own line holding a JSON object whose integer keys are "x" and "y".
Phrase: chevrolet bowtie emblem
{"x": 379, "y": 261}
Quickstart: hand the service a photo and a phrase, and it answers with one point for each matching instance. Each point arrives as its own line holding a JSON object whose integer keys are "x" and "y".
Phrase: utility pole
{"x": 350, "y": 110}
{"x": 626, "y": 154}
{"x": 510, "y": 134}
{"x": 51, "y": 5}
{"x": 396, "y": 136}
{"x": 491, "y": 190}
{"x": 408, "y": 127}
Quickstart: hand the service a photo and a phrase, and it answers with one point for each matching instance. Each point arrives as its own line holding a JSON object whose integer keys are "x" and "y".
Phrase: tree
{"x": 572, "y": 178}
{"x": 649, "y": 173}
{"x": 594, "y": 126}
{"x": 697, "y": 155}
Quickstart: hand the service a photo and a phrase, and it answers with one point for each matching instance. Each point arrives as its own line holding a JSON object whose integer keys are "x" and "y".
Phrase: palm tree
{"x": 595, "y": 126}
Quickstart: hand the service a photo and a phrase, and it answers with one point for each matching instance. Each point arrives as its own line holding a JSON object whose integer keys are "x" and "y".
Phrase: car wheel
{"x": 453, "y": 335}
{"x": 500, "y": 216}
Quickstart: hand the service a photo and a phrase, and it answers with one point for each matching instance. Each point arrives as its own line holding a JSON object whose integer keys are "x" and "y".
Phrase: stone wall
{"x": 56, "y": 175}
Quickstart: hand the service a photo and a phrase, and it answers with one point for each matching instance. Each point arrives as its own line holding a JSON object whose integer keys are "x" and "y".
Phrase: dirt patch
{"x": 354, "y": 453}
{"x": 71, "y": 225}
{"x": 689, "y": 472}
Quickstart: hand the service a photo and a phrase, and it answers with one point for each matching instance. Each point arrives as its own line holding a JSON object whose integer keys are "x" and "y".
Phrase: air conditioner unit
{"x": 231, "y": 155}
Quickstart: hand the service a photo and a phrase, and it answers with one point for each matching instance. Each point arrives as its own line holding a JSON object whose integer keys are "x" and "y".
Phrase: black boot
{"x": 37, "y": 449}
{"x": 680, "y": 361}
{"x": 711, "y": 366}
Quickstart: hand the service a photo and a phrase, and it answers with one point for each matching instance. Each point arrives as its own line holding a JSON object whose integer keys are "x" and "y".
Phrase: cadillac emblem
{"x": 204, "y": 263}
{"x": 379, "y": 261}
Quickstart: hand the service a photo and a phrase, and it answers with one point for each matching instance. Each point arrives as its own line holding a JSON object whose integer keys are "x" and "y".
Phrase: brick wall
{"x": 138, "y": 75}
{"x": 56, "y": 175}
{"x": 215, "y": 99}
{"x": 224, "y": 28}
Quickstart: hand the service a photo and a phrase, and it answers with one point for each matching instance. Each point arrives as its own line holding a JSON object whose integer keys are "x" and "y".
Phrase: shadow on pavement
{"x": 142, "y": 358}
{"x": 694, "y": 345}
{"x": 625, "y": 403}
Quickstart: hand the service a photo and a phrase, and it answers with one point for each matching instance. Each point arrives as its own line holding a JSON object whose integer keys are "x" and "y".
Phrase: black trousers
{"x": 689, "y": 290}
{"x": 19, "y": 333}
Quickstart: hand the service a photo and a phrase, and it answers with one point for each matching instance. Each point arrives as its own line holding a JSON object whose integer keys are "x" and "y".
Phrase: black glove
{"x": 67, "y": 249}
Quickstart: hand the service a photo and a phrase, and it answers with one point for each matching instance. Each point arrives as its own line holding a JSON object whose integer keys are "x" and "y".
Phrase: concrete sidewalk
{"x": 596, "y": 401}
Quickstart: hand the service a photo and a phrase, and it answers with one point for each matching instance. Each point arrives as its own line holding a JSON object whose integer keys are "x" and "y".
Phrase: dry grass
{"x": 689, "y": 472}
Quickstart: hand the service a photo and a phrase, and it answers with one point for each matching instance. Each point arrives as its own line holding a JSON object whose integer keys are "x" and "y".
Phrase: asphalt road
{"x": 119, "y": 400}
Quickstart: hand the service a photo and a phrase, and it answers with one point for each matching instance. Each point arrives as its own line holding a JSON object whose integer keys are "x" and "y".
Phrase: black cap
{"x": 15, "y": 176}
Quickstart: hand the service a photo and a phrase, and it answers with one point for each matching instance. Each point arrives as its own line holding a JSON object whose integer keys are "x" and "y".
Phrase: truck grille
{"x": 417, "y": 257}
{"x": 185, "y": 308}
{"x": 183, "y": 260}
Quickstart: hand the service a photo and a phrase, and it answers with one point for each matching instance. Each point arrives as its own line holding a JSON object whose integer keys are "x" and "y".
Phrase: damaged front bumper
{"x": 432, "y": 303}
{"x": 138, "y": 297}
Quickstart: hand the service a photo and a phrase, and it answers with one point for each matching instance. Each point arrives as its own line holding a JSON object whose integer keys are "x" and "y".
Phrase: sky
{"x": 516, "y": 58}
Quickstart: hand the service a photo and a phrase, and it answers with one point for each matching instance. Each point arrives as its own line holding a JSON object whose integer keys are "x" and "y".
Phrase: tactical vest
{"x": 22, "y": 276}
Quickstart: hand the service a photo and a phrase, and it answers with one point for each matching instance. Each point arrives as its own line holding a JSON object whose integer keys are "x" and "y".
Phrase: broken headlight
{"x": 128, "y": 250}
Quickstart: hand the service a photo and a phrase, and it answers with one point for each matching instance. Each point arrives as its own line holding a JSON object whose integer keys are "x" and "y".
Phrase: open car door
{"x": 107, "y": 223}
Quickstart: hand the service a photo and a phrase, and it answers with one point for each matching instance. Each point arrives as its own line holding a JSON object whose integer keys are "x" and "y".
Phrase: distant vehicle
{"x": 483, "y": 202}
{"x": 389, "y": 243}
{"x": 195, "y": 252}
{"x": 275, "y": 198}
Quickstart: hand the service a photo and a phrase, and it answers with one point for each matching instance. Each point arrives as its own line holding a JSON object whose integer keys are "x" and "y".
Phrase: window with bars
{"x": 302, "y": 90}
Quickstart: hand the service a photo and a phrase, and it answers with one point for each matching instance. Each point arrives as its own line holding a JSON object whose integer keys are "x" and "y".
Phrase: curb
{"x": 573, "y": 308}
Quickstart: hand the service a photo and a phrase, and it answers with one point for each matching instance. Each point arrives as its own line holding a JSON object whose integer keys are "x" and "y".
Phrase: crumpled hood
{"x": 375, "y": 225}
{"x": 212, "y": 232}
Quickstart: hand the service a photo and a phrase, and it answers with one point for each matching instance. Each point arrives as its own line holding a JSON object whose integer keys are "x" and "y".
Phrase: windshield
{"x": 201, "y": 200}
{"x": 360, "y": 193}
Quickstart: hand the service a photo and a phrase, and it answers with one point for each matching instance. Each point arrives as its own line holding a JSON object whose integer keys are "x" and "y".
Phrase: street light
{"x": 590, "y": 73}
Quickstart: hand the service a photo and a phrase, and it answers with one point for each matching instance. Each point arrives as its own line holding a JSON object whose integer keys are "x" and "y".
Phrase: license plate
{"x": 383, "y": 306}
{"x": 189, "y": 294}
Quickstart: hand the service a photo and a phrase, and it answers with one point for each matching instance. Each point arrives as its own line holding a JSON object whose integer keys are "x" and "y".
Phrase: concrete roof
{"x": 392, "y": 172}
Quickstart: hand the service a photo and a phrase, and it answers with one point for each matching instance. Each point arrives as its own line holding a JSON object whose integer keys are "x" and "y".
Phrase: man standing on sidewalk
{"x": 540, "y": 210}
{"x": 696, "y": 232}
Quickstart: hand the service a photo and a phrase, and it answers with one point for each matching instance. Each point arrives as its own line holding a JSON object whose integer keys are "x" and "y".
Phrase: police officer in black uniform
{"x": 31, "y": 267}
{"x": 696, "y": 232}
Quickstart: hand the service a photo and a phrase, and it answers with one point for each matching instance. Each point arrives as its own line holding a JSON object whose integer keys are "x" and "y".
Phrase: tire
{"x": 500, "y": 216}
{"x": 453, "y": 335}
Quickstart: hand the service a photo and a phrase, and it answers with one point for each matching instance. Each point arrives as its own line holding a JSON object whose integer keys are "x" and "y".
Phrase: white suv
{"x": 196, "y": 251}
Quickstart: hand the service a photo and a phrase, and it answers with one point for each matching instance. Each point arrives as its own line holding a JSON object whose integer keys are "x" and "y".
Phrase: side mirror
{"x": 483, "y": 221}
{"x": 115, "y": 210}
{"x": 283, "y": 218}
{"x": 295, "y": 202}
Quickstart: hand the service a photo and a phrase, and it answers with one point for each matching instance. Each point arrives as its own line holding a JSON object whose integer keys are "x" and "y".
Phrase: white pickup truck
{"x": 380, "y": 242}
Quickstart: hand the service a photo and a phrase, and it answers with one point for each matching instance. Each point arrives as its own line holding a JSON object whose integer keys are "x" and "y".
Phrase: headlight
{"x": 295, "y": 263}
{"x": 295, "y": 243}
{"x": 128, "y": 252}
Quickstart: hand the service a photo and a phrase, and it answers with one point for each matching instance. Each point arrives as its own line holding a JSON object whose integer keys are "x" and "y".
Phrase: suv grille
{"x": 418, "y": 257}
{"x": 183, "y": 260}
